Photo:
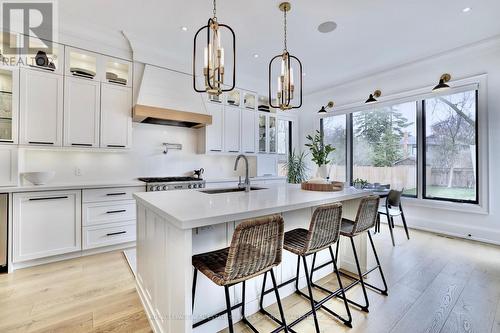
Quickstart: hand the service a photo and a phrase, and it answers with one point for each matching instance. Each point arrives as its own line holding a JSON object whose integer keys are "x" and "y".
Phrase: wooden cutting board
{"x": 328, "y": 187}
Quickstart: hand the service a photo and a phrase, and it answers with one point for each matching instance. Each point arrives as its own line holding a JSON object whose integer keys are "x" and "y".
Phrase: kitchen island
{"x": 174, "y": 225}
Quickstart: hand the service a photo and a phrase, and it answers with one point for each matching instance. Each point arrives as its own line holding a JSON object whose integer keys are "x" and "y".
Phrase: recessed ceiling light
{"x": 327, "y": 27}
{"x": 466, "y": 9}
{"x": 184, "y": 28}
{"x": 255, "y": 55}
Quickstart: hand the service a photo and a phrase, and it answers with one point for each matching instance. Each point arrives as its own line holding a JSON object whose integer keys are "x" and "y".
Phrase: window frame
{"x": 478, "y": 83}
{"x": 424, "y": 154}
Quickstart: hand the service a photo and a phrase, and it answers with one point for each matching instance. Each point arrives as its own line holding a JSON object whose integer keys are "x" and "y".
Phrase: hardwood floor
{"x": 436, "y": 284}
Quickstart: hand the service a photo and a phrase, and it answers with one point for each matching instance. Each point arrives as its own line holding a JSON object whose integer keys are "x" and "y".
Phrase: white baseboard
{"x": 41, "y": 261}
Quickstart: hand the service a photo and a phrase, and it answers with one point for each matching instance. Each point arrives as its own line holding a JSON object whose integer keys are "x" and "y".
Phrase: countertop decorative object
{"x": 322, "y": 187}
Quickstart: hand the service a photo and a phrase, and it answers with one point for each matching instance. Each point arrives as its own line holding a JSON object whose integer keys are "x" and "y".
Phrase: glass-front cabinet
{"x": 81, "y": 63}
{"x": 262, "y": 133}
{"x": 272, "y": 135}
{"x": 117, "y": 71}
{"x": 233, "y": 98}
{"x": 43, "y": 59}
{"x": 9, "y": 81}
{"x": 268, "y": 139}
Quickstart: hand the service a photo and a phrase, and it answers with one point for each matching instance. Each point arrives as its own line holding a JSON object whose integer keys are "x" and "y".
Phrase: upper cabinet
{"x": 116, "y": 116}
{"x": 232, "y": 127}
{"x": 267, "y": 131}
{"x": 9, "y": 108}
{"x": 213, "y": 140}
{"x": 83, "y": 64}
{"x": 40, "y": 108}
{"x": 81, "y": 112}
{"x": 117, "y": 71}
{"x": 43, "y": 60}
{"x": 233, "y": 98}
{"x": 248, "y": 132}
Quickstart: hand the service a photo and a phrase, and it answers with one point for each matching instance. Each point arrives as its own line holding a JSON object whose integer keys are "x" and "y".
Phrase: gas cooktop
{"x": 172, "y": 183}
{"x": 169, "y": 179}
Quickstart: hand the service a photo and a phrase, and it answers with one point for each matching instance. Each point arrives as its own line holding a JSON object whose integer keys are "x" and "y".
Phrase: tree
{"x": 382, "y": 130}
{"x": 453, "y": 128}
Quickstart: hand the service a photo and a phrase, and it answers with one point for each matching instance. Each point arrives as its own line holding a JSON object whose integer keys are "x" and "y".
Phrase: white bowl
{"x": 39, "y": 178}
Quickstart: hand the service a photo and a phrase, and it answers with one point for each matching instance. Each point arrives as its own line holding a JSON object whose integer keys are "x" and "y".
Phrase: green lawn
{"x": 448, "y": 193}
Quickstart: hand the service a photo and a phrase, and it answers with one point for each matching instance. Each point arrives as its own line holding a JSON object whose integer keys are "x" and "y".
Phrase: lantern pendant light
{"x": 286, "y": 65}
{"x": 213, "y": 70}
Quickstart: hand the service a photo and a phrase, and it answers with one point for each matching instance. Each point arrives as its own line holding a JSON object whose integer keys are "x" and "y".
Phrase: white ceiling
{"x": 372, "y": 36}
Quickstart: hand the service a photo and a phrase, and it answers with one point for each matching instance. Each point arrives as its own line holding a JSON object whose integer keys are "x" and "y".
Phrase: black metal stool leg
{"x": 313, "y": 306}
{"x": 313, "y": 264}
{"x": 262, "y": 294}
{"x": 195, "y": 276}
{"x": 278, "y": 299}
{"x": 229, "y": 312}
{"x": 349, "y": 321}
{"x": 404, "y": 221}
{"x": 389, "y": 223}
{"x": 364, "y": 308}
{"x": 384, "y": 292}
{"x": 297, "y": 275}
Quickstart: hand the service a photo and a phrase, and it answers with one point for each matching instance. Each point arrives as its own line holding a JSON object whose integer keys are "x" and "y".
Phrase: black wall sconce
{"x": 329, "y": 105}
{"x": 442, "y": 83}
{"x": 373, "y": 97}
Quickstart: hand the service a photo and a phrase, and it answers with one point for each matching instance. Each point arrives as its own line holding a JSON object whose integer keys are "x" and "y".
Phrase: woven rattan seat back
{"x": 324, "y": 229}
{"x": 367, "y": 214}
{"x": 256, "y": 247}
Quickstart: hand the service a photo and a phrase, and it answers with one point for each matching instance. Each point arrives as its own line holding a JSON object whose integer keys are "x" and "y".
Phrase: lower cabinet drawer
{"x": 108, "y": 212}
{"x": 108, "y": 234}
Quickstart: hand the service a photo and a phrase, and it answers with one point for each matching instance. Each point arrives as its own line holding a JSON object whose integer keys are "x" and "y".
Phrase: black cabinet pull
{"x": 215, "y": 150}
{"x": 82, "y": 144}
{"x": 8, "y": 141}
{"x": 115, "y": 146}
{"x": 234, "y": 151}
{"x": 112, "y": 194}
{"x": 48, "y": 198}
{"x": 40, "y": 143}
{"x": 249, "y": 152}
{"x": 116, "y": 233}
{"x": 116, "y": 211}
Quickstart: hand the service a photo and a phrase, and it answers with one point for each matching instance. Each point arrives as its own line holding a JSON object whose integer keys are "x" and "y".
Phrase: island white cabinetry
{"x": 41, "y": 108}
{"x": 81, "y": 112}
{"x": 46, "y": 224}
{"x": 169, "y": 233}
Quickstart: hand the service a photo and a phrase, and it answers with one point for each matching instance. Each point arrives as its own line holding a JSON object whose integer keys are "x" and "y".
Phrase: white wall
{"x": 145, "y": 159}
{"x": 461, "y": 63}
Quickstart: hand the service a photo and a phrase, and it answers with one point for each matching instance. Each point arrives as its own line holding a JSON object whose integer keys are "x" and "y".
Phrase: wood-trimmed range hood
{"x": 166, "y": 97}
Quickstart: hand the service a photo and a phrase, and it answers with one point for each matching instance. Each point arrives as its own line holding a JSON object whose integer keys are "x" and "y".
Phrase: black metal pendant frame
{"x": 208, "y": 27}
{"x": 284, "y": 104}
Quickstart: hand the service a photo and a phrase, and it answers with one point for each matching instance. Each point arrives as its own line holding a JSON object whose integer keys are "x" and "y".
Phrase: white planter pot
{"x": 322, "y": 171}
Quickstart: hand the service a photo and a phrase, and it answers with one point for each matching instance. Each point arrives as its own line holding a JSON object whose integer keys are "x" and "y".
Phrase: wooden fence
{"x": 398, "y": 176}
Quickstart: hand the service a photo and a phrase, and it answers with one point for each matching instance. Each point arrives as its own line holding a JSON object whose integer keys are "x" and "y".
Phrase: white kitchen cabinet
{"x": 9, "y": 104}
{"x": 248, "y": 131}
{"x": 41, "y": 108}
{"x": 214, "y": 132}
{"x": 232, "y": 129}
{"x": 108, "y": 234}
{"x": 46, "y": 224}
{"x": 8, "y": 166}
{"x": 116, "y": 116}
{"x": 83, "y": 64}
{"x": 81, "y": 112}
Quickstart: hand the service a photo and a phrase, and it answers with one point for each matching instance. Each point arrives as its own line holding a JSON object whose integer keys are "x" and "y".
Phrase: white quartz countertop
{"x": 235, "y": 179}
{"x": 69, "y": 186}
{"x": 191, "y": 208}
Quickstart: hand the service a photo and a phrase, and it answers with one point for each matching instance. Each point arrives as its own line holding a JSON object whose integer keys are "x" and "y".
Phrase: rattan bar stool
{"x": 323, "y": 232}
{"x": 365, "y": 220}
{"x": 255, "y": 249}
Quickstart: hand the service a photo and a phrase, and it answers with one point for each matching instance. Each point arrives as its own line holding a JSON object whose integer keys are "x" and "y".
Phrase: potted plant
{"x": 296, "y": 167}
{"x": 360, "y": 183}
{"x": 320, "y": 153}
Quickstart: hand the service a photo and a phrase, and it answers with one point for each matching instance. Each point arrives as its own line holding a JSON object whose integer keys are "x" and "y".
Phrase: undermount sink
{"x": 232, "y": 189}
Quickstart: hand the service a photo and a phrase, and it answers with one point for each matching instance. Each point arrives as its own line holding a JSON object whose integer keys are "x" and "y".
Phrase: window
{"x": 334, "y": 132}
{"x": 385, "y": 146}
{"x": 451, "y": 147}
{"x": 428, "y": 145}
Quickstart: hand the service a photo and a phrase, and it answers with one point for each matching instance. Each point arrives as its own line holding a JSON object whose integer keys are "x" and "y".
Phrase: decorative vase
{"x": 322, "y": 171}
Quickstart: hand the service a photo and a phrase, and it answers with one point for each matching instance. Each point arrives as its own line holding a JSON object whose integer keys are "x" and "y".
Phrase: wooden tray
{"x": 330, "y": 187}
